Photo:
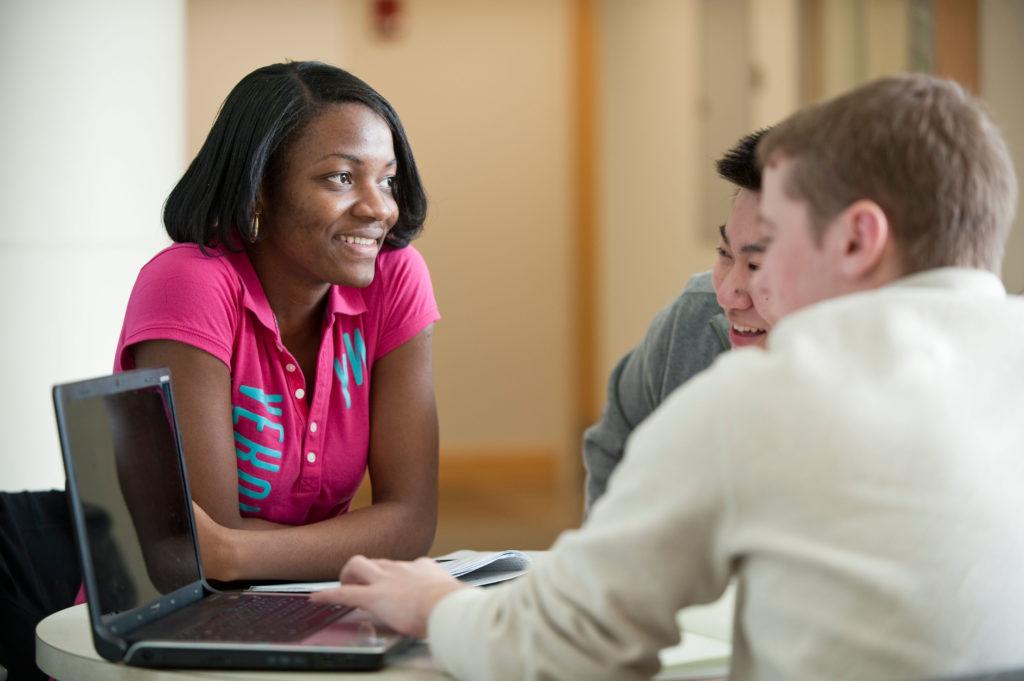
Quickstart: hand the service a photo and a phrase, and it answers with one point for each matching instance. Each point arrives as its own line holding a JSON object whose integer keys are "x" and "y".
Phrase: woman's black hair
{"x": 215, "y": 200}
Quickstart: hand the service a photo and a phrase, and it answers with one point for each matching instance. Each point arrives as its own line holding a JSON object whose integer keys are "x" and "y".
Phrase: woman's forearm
{"x": 317, "y": 551}
{"x": 260, "y": 524}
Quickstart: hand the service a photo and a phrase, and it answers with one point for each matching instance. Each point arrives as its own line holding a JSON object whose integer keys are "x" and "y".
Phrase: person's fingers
{"x": 353, "y": 595}
{"x": 359, "y": 570}
{"x": 324, "y": 596}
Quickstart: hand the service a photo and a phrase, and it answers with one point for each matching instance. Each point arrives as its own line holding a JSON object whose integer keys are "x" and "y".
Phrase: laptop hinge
{"x": 123, "y": 623}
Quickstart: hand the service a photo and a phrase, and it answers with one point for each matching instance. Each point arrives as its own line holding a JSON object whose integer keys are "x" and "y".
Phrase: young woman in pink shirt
{"x": 296, "y": 321}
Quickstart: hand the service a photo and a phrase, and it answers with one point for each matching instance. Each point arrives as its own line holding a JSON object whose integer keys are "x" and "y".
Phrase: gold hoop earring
{"x": 254, "y": 229}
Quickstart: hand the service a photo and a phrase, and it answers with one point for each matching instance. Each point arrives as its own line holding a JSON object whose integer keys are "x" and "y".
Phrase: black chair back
{"x": 39, "y": 572}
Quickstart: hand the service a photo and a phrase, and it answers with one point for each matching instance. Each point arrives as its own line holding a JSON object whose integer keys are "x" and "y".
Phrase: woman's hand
{"x": 400, "y": 594}
{"x": 215, "y": 546}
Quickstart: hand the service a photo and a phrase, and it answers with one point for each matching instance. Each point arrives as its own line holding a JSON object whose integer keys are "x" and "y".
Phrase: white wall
{"x": 1002, "y": 52}
{"x": 92, "y": 133}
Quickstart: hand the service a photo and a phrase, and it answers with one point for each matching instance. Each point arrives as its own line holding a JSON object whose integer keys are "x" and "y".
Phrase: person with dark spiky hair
{"x": 739, "y": 164}
{"x": 715, "y": 312}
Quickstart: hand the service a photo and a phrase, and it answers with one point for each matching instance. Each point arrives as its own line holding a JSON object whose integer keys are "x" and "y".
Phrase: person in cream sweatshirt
{"x": 860, "y": 477}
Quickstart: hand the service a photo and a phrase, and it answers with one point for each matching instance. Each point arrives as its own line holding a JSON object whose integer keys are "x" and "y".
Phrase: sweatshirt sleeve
{"x": 602, "y": 602}
{"x": 631, "y": 397}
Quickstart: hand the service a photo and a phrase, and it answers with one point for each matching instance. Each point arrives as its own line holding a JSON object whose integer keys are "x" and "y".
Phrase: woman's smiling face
{"x": 739, "y": 255}
{"x": 330, "y": 202}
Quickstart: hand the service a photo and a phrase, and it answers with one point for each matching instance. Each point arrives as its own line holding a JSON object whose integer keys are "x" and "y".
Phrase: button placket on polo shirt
{"x": 311, "y": 442}
{"x": 293, "y": 378}
{"x": 312, "y": 457}
{"x": 295, "y": 386}
{"x": 309, "y": 481}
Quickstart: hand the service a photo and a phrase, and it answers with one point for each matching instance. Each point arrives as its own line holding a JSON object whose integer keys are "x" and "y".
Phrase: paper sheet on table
{"x": 476, "y": 568}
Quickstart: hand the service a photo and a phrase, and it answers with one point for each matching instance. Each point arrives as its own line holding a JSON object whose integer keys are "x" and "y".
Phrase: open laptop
{"x": 149, "y": 604}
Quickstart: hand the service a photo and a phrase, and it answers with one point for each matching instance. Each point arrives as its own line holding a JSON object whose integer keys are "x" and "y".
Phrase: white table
{"x": 64, "y": 650}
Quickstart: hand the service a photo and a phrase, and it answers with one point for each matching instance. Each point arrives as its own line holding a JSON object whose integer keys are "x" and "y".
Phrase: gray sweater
{"x": 682, "y": 341}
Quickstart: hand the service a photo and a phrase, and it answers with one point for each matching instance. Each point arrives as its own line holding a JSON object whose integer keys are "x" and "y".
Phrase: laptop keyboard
{"x": 261, "y": 618}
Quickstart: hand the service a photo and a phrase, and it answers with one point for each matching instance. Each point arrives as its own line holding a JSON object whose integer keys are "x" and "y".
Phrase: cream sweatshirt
{"x": 863, "y": 479}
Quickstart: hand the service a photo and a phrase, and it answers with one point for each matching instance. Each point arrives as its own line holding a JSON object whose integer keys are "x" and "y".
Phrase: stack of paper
{"x": 476, "y": 568}
{"x": 480, "y": 568}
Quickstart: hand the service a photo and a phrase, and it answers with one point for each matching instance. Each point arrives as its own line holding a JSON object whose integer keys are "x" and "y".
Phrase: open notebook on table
{"x": 476, "y": 568}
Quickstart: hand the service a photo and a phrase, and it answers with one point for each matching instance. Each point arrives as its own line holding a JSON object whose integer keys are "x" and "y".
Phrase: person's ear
{"x": 864, "y": 237}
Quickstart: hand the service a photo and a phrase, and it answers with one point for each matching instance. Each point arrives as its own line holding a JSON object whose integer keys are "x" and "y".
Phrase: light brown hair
{"x": 921, "y": 148}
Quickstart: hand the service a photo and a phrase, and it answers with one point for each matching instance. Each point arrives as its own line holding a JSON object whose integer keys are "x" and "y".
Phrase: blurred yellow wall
{"x": 483, "y": 91}
{"x": 1002, "y": 86}
{"x": 226, "y": 39}
{"x": 488, "y": 92}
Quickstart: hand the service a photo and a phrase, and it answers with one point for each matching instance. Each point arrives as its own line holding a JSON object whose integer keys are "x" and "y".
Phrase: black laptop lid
{"x": 129, "y": 491}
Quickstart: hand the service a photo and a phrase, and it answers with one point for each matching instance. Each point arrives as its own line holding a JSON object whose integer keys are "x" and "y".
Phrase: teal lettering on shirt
{"x": 263, "y": 398}
{"x": 354, "y": 357}
{"x": 256, "y": 454}
{"x": 359, "y": 362}
{"x": 262, "y": 486}
{"x": 341, "y": 371}
{"x": 259, "y": 420}
{"x": 252, "y": 449}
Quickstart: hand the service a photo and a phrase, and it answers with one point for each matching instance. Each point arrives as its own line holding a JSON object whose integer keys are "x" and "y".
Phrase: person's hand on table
{"x": 401, "y": 594}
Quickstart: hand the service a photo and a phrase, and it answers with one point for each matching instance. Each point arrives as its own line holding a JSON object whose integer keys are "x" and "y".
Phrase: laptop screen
{"x": 127, "y": 473}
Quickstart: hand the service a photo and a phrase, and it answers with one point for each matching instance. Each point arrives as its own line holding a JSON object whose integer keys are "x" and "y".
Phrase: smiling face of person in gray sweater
{"x": 739, "y": 256}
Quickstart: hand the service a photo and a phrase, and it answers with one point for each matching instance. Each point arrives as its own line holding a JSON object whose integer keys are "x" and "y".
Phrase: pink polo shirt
{"x": 297, "y": 463}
